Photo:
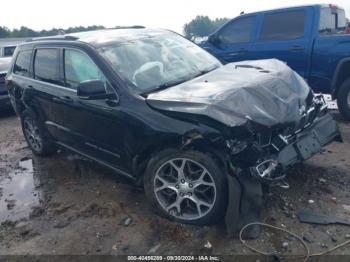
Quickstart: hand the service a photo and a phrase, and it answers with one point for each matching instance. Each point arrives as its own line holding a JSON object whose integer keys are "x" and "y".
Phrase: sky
{"x": 46, "y": 14}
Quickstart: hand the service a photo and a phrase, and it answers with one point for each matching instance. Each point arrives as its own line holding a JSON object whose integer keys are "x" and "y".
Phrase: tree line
{"x": 197, "y": 27}
{"x": 202, "y": 26}
{"x": 28, "y": 32}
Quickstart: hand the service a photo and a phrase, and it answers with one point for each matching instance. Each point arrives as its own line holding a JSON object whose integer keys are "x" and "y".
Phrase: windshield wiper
{"x": 167, "y": 85}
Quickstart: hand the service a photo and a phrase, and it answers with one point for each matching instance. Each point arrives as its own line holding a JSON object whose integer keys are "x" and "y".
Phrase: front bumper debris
{"x": 297, "y": 148}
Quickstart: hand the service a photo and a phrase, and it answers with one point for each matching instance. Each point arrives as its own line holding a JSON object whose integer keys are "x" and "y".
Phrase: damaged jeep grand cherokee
{"x": 163, "y": 112}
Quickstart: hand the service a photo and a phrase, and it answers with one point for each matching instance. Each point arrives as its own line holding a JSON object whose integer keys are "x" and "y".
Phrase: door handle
{"x": 297, "y": 48}
{"x": 239, "y": 52}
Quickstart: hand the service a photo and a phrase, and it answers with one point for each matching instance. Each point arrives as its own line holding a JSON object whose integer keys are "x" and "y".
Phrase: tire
{"x": 343, "y": 99}
{"x": 184, "y": 195}
{"x": 36, "y": 136}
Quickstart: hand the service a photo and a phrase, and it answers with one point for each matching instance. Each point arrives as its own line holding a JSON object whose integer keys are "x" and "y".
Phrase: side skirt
{"x": 119, "y": 171}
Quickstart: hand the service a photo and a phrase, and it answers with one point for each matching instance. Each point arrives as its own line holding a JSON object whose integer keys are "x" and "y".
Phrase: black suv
{"x": 163, "y": 112}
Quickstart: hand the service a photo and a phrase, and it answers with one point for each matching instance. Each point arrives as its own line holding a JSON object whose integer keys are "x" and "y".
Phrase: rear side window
{"x": 46, "y": 66}
{"x": 283, "y": 26}
{"x": 22, "y": 63}
{"x": 332, "y": 21}
{"x": 79, "y": 67}
{"x": 238, "y": 31}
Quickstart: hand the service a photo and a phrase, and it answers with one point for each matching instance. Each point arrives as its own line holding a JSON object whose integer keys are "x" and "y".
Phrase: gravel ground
{"x": 66, "y": 205}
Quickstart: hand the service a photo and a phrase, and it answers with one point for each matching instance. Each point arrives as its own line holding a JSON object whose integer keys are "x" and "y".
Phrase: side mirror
{"x": 92, "y": 90}
{"x": 214, "y": 39}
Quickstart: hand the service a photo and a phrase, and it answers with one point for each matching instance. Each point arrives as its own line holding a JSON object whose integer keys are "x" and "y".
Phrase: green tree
{"x": 23, "y": 32}
{"x": 202, "y": 26}
{"x": 4, "y": 32}
{"x": 220, "y": 21}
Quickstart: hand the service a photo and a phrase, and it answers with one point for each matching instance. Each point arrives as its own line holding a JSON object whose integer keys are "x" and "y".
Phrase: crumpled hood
{"x": 267, "y": 92}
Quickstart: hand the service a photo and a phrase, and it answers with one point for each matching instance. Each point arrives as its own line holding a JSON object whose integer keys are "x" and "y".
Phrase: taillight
{"x": 347, "y": 31}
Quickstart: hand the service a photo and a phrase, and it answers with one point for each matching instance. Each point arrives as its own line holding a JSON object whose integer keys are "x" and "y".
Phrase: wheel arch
{"x": 20, "y": 107}
{"x": 23, "y": 103}
{"x": 192, "y": 141}
{"x": 341, "y": 74}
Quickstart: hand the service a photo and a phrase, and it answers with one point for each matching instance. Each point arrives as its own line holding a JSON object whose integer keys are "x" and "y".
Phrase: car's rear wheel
{"x": 343, "y": 99}
{"x": 188, "y": 187}
{"x": 36, "y": 136}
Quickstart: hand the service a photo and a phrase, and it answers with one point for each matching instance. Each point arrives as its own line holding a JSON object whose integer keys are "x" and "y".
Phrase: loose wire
{"x": 307, "y": 249}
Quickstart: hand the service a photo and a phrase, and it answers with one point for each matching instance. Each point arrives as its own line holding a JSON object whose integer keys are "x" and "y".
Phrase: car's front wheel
{"x": 186, "y": 186}
{"x": 343, "y": 99}
{"x": 36, "y": 135}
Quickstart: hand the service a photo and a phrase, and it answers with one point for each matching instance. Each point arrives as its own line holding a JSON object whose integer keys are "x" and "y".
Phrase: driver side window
{"x": 238, "y": 31}
{"x": 79, "y": 67}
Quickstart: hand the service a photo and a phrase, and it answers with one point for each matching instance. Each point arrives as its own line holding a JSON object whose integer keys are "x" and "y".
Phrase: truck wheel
{"x": 186, "y": 186}
{"x": 343, "y": 99}
{"x": 36, "y": 135}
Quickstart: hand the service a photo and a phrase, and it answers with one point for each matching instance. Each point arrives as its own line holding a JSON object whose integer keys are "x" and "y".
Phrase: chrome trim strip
{"x": 102, "y": 149}
{"x": 62, "y": 87}
{"x": 98, "y": 161}
{"x": 324, "y": 107}
{"x": 46, "y": 83}
{"x": 275, "y": 147}
{"x": 284, "y": 139}
{"x": 50, "y": 123}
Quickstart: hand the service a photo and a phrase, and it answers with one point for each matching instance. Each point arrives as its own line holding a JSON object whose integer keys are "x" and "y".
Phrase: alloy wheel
{"x": 185, "y": 189}
{"x": 32, "y": 134}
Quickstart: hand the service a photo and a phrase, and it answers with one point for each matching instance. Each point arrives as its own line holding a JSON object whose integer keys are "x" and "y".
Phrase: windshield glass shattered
{"x": 158, "y": 62}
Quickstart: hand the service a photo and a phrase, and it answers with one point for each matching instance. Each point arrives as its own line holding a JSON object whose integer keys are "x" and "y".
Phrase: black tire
{"x": 342, "y": 99}
{"x": 46, "y": 146}
{"x": 216, "y": 176}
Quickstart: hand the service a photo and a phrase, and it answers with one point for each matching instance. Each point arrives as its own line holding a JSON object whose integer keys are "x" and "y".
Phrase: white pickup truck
{"x": 4, "y": 97}
{"x": 7, "y": 51}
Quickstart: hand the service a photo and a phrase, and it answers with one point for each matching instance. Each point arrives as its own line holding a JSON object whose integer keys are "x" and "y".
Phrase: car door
{"x": 284, "y": 35}
{"x": 233, "y": 41}
{"x": 48, "y": 94}
{"x": 96, "y": 126}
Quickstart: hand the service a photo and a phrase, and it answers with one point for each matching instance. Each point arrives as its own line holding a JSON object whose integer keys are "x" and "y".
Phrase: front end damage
{"x": 269, "y": 153}
{"x": 266, "y": 119}
{"x": 266, "y": 161}
{"x": 265, "y": 115}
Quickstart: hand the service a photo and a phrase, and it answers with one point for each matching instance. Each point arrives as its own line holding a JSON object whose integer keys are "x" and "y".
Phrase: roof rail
{"x": 72, "y": 38}
{"x": 128, "y": 27}
{"x": 56, "y": 37}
